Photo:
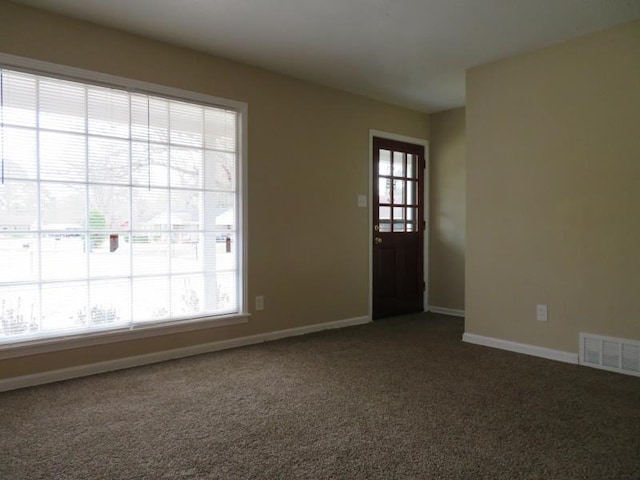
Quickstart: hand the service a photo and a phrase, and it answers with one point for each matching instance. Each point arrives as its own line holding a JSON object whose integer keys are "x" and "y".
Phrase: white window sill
{"x": 45, "y": 345}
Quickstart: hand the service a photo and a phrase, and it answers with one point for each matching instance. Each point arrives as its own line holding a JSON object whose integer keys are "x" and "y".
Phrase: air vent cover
{"x": 609, "y": 353}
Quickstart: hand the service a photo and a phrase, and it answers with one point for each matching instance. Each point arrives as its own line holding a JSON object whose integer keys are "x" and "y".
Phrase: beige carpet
{"x": 398, "y": 399}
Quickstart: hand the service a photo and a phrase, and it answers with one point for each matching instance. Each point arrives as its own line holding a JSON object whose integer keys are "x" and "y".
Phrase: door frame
{"x": 416, "y": 141}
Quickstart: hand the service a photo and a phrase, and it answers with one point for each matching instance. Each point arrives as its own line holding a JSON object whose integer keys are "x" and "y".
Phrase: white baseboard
{"x": 446, "y": 311}
{"x": 558, "y": 355}
{"x": 139, "y": 360}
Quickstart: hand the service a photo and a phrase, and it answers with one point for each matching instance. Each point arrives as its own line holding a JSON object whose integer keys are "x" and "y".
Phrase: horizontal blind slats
{"x": 119, "y": 207}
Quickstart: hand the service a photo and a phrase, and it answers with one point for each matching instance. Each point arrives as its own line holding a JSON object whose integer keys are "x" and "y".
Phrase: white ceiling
{"x": 407, "y": 52}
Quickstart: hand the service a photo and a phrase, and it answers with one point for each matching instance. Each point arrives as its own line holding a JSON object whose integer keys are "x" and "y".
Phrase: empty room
{"x": 319, "y": 240}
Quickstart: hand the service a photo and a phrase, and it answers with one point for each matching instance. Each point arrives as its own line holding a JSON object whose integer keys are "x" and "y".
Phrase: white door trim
{"x": 415, "y": 141}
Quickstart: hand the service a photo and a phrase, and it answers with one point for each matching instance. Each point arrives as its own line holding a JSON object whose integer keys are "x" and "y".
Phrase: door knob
{"x": 378, "y": 240}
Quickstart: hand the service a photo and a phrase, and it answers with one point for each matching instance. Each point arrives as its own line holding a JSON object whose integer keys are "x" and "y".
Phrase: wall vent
{"x": 609, "y": 353}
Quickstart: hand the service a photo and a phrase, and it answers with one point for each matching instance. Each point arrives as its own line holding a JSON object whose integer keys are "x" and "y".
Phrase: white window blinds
{"x": 116, "y": 208}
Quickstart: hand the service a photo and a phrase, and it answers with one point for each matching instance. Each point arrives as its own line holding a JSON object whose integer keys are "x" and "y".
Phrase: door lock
{"x": 378, "y": 240}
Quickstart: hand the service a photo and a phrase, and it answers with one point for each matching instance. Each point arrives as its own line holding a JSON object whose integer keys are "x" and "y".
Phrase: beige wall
{"x": 553, "y": 192}
{"x": 308, "y": 161}
{"x": 447, "y": 209}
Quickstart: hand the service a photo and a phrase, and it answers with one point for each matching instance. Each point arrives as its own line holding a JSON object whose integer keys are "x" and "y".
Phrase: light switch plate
{"x": 541, "y": 313}
{"x": 362, "y": 200}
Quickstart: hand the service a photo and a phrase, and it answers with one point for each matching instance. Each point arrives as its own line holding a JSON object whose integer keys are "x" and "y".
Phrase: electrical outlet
{"x": 541, "y": 313}
{"x": 259, "y": 303}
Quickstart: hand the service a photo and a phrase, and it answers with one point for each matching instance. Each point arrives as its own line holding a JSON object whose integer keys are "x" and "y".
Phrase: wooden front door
{"x": 398, "y": 224}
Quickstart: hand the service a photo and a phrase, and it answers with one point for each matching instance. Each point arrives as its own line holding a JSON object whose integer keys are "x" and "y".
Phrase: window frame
{"x": 162, "y": 327}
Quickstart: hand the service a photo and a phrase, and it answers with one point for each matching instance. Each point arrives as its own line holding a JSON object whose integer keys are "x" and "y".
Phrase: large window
{"x": 118, "y": 208}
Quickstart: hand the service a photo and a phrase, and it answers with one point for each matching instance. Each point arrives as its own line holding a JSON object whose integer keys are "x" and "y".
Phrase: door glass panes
{"x": 384, "y": 190}
{"x": 411, "y": 193}
{"x": 411, "y": 172}
{"x": 398, "y": 164}
{"x": 398, "y": 219}
{"x": 411, "y": 220}
{"x": 384, "y": 162}
{"x": 384, "y": 218}
{"x": 397, "y": 191}
{"x": 115, "y": 208}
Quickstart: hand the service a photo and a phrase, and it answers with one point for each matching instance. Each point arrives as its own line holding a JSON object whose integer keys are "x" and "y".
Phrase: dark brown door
{"x": 398, "y": 224}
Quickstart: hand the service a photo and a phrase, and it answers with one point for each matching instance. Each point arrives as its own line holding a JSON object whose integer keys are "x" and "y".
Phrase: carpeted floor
{"x": 397, "y": 399}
